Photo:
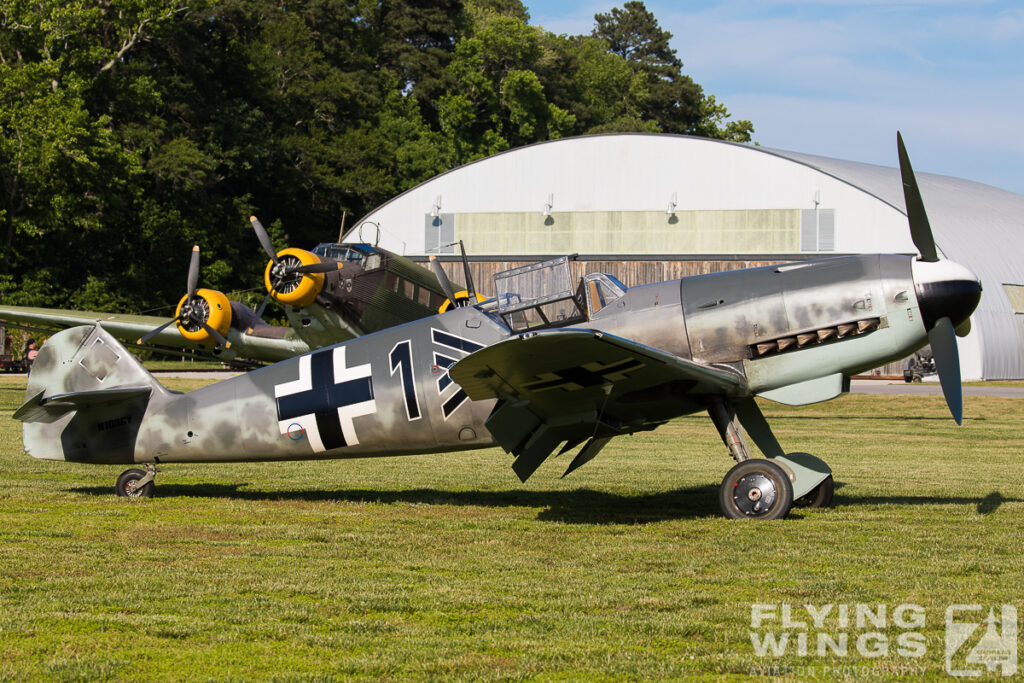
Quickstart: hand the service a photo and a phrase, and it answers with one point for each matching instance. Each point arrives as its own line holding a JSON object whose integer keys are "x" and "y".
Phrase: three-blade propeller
{"x": 942, "y": 335}
{"x": 282, "y": 272}
{"x": 193, "y": 311}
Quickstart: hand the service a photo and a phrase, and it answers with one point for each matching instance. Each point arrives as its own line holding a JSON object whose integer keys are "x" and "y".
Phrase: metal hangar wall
{"x": 653, "y": 207}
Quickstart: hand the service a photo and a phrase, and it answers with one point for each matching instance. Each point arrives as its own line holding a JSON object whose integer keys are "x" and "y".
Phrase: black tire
{"x": 125, "y": 485}
{"x": 818, "y": 497}
{"x": 756, "y": 489}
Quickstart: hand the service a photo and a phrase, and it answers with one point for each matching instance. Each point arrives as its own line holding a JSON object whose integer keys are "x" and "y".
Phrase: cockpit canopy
{"x": 542, "y": 295}
{"x": 368, "y": 257}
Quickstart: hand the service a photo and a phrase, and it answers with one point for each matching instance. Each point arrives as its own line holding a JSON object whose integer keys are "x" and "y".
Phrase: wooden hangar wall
{"x": 631, "y": 272}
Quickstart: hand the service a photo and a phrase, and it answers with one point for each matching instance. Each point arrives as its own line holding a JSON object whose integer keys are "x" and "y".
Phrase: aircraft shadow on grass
{"x": 581, "y": 506}
{"x": 984, "y": 506}
{"x": 910, "y": 418}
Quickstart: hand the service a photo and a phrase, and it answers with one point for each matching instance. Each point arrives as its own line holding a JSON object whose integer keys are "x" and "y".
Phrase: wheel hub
{"x": 754, "y": 494}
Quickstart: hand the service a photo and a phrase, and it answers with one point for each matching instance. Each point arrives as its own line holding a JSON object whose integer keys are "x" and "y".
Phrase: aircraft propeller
{"x": 193, "y": 312}
{"x": 284, "y": 271}
{"x": 944, "y": 289}
{"x": 446, "y": 285}
{"x": 442, "y": 279}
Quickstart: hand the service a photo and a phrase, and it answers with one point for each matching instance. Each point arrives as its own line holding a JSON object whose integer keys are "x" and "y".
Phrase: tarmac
{"x": 929, "y": 387}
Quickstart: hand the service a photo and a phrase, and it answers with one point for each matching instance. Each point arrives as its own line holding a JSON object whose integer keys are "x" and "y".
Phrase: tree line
{"x": 132, "y": 129}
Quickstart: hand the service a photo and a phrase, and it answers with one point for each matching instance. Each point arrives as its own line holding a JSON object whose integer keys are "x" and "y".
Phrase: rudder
{"x": 86, "y": 398}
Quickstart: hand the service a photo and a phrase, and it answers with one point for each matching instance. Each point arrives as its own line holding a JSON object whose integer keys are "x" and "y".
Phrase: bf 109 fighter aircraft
{"x": 545, "y": 366}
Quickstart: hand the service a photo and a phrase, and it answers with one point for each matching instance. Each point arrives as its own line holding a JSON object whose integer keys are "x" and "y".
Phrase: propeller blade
{"x": 947, "y": 361}
{"x": 263, "y": 306}
{"x": 920, "y": 229}
{"x": 470, "y": 288}
{"x": 193, "y": 273}
{"x": 264, "y": 238}
{"x": 216, "y": 335}
{"x": 964, "y": 328}
{"x": 442, "y": 279}
{"x": 322, "y": 267}
{"x": 152, "y": 333}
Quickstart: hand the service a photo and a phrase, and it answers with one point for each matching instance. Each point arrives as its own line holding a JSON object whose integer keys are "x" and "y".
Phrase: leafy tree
{"x": 674, "y": 101}
{"x": 131, "y": 130}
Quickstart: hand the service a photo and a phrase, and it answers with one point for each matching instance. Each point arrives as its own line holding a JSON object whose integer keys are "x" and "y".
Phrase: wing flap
{"x": 582, "y": 385}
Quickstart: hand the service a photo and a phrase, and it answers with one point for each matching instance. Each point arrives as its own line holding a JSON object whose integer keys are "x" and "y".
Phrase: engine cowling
{"x": 210, "y": 306}
{"x": 291, "y": 288}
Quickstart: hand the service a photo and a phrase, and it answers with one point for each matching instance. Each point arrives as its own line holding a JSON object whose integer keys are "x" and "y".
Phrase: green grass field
{"x": 446, "y": 567}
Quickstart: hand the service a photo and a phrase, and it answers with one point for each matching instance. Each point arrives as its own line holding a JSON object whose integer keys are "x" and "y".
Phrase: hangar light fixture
{"x": 672, "y": 204}
{"x": 546, "y": 211}
{"x": 435, "y": 210}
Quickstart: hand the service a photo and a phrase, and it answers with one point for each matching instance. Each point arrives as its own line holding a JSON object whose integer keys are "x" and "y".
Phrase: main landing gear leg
{"x": 756, "y": 488}
{"x": 809, "y": 477}
{"x": 136, "y": 483}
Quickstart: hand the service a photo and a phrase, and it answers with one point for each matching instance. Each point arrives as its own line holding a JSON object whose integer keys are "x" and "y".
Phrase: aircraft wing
{"x": 581, "y": 385}
{"x": 129, "y": 328}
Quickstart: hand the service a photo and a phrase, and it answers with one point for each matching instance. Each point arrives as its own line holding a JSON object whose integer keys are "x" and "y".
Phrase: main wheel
{"x": 818, "y": 497}
{"x": 127, "y": 485}
{"x": 756, "y": 489}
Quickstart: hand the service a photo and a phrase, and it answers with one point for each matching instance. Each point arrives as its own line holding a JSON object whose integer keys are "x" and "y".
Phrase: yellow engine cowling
{"x": 303, "y": 293}
{"x": 219, "y": 319}
{"x": 459, "y": 295}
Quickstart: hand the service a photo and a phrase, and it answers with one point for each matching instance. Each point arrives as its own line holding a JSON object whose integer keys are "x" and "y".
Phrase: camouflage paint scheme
{"x": 673, "y": 323}
{"x": 536, "y": 368}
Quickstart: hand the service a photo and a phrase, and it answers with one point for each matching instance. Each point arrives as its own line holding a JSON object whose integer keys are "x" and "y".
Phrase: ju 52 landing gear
{"x": 136, "y": 483}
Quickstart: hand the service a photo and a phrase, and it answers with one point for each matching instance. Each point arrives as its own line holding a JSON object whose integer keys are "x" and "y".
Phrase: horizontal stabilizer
{"x": 51, "y": 408}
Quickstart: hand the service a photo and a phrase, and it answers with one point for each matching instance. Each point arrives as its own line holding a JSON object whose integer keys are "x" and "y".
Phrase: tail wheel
{"x": 818, "y": 497}
{"x": 127, "y": 485}
{"x": 756, "y": 489}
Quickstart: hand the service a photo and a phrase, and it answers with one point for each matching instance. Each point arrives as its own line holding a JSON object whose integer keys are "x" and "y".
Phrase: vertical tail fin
{"x": 86, "y": 398}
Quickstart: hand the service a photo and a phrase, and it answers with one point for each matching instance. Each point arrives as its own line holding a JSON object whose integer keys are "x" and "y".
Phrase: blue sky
{"x": 839, "y": 77}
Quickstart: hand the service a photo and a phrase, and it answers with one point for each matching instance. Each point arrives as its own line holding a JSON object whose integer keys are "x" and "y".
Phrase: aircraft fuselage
{"x": 389, "y": 393}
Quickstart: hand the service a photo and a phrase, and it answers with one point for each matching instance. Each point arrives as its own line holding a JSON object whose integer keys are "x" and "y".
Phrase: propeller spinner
{"x": 947, "y": 292}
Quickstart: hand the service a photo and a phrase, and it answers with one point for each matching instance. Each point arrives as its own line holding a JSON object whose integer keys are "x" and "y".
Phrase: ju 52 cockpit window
{"x": 363, "y": 254}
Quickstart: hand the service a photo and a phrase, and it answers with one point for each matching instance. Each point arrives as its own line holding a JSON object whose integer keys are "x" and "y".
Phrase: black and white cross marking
{"x": 324, "y": 399}
{"x": 584, "y": 376}
{"x": 463, "y": 347}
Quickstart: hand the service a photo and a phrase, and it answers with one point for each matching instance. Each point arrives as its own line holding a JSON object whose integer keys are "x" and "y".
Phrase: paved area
{"x": 927, "y": 388}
